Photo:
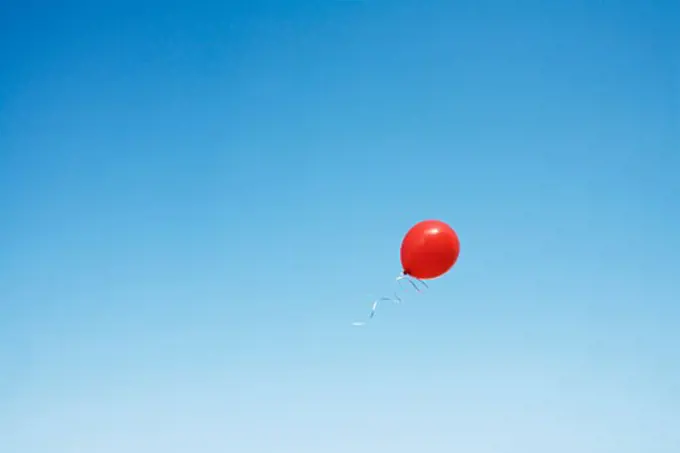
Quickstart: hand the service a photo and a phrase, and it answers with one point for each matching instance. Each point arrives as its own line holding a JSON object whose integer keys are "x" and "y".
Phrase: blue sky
{"x": 197, "y": 201}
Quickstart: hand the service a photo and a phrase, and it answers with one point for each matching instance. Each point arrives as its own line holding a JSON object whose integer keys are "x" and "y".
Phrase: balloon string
{"x": 412, "y": 281}
{"x": 396, "y": 299}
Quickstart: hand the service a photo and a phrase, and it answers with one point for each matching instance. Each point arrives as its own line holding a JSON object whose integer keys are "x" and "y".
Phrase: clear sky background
{"x": 197, "y": 201}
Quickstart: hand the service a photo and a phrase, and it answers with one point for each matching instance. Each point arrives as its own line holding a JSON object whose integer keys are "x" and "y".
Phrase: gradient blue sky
{"x": 197, "y": 201}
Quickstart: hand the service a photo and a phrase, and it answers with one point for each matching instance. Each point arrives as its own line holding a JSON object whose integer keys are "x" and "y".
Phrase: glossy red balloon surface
{"x": 429, "y": 249}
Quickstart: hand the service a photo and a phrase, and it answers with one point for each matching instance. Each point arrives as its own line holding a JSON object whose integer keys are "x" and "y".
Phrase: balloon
{"x": 429, "y": 250}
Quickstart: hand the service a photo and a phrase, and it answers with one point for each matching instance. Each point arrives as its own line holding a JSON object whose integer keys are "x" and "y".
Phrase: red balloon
{"x": 429, "y": 250}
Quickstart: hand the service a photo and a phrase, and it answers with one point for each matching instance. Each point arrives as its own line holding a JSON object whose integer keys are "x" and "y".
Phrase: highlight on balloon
{"x": 428, "y": 251}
